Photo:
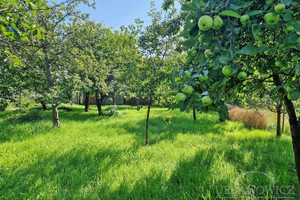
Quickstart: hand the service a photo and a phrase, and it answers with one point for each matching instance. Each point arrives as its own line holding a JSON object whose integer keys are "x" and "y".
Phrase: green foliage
{"x": 251, "y": 46}
{"x": 88, "y": 158}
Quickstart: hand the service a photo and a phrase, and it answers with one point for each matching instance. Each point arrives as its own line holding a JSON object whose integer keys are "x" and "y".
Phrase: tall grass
{"x": 93, "y": 157}
{"x": 251, "y": 118}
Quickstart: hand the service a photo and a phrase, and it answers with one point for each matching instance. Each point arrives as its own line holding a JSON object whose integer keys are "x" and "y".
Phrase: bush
{"x": 26, "y": 115}
{"x": 113, "y": 111}
{"x": 251, "y": 118}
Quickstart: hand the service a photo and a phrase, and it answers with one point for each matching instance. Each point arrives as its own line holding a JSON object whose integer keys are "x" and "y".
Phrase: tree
{"x": 158, "y": 44}
{"x": 53, "y": 54}
{"x": 256, "y": 39}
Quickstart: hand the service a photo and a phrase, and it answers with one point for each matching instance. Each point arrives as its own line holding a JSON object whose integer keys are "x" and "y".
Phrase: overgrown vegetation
{"x": 92, "y": 157}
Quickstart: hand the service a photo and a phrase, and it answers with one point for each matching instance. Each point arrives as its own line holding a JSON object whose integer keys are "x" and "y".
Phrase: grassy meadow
{"x": 92, "y": 157}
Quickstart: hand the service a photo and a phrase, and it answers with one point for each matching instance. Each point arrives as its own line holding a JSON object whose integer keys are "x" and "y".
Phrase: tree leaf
{"x": 286, "y": 2}
{"x": 295, "y": 94}
{"x": 237, "y": 4}
{"x": 297, "y": 68}
{"x": 230, "y": 13}
{"x": 249, "y": 49}
{"x": 255, "y": 12}
{"x": 182, "y": 106}
{"x": 225, "y": 59}
{"x": 296, "y": 25}
{"x": 274, "y": 90}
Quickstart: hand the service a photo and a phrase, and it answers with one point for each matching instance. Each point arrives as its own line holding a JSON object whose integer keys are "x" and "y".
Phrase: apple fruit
{"x": 188, "y": 74}
{"x": 272, "y": 18}
{"x": 242, "y": 75}
{"x": 218, "y": 22}
{"x": 289, "y": 89}
{"x": 205, "y": 22}
{"x": 279, "y": 8}
{"x": 180, "y": 97}
{"x": 188, "y": 90}
{"x": 208, "y": 53}
{"x": 289, "y": 29}
{"x": 244, "y": 19}
{"x": 227, "y": 70}
{"x": 203, "y": 78}
{"x": 207, "y": 101}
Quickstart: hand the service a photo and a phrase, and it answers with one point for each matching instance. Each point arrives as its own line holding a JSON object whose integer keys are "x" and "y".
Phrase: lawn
{"x": 93, "y": 157}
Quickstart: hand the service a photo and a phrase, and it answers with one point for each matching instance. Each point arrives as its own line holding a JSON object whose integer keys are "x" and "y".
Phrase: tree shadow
{"x": 160, "y": 130}
{"x": 205, "y": 176}
{"x": 63, "y": 176}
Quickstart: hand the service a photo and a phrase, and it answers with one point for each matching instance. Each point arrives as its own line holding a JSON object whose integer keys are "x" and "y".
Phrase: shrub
{"x": 251, "y": 118}
{"x": 113, "y": 111}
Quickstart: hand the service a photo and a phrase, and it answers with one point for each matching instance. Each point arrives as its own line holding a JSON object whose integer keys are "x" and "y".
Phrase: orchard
{"x": 170, "y": 99}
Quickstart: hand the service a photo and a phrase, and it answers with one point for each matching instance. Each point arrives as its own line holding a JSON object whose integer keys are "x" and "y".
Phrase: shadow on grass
{"x": 61, "y": 177}
{"x": 211, "y": 175}
{"x": 160, "y": 130}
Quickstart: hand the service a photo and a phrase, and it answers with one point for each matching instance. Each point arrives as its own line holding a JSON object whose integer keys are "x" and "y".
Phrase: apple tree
{"x": 158, "y": 45}
{"x": 233, "y": 42}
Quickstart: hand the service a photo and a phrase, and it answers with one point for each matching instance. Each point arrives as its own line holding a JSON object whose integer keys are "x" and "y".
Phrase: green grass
{"x": 93, "y": 157}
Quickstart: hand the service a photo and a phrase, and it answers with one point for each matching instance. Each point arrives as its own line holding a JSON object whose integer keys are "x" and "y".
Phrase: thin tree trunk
{"x": 87, "y": 102}
{"x": 55, "y": 117}
{"x": 283, "y": 118}
{"x": 147, "y": 121}
{"x": 294, "y": 124}
{"x": 44, "y": 106}
{"x": 99, "y": 100}
{"x": 194, "y": 113}
{"x": 115, "y": 99}
{"x": 278, "y": 110}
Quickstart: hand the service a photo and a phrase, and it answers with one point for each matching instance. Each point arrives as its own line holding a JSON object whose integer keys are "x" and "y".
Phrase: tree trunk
{"x": 55, "y": 117}
{"x": 99, "y": 100}
{"x": 194, "y": 113}
{"x": 44, "y": 106}
{"x": 278, "y": 110}
{"x": 294, "y": 124}
{"x": 87, "y": 102}
{"x": 147, "y": 121}
{"x": 283, "y": 118}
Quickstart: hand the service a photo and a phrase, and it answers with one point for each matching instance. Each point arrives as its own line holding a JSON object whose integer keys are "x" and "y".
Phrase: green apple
{"x": 289, "y": 89}
{"x": 227, "y": 70}
{"x": 279, "y": 64}
{"x": 244, "y": 19}
{"x": 218, "y": 22}
{"x": 272, "y": 18}
{"x": 205, "y": 23}
{"x": 203, "y": 78}
{"x": 208, "y": 53}
{"x": 188, "y": 74}
{"x": 298, "y": 40}
{"x": 180, "y": 97}
{"x": 279, "y": 8}
{"x": 207, "y": 101}
{"x": 188, "y": 90}
{"x": 242, "y": 75}
{"x": 289, "y": 29}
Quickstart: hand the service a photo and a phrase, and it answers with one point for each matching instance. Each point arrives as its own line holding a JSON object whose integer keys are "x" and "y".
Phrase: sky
{"x": 114, "y": 13}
